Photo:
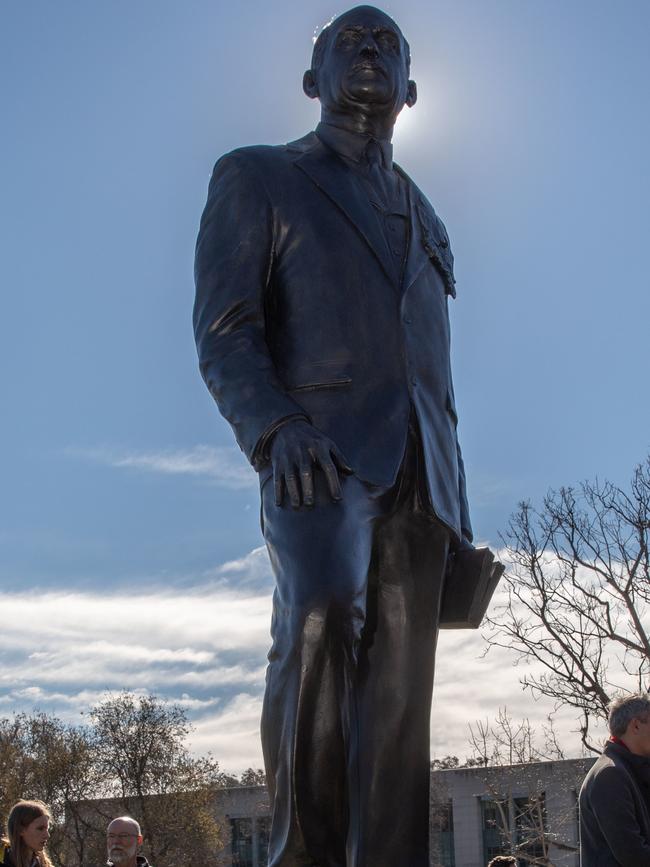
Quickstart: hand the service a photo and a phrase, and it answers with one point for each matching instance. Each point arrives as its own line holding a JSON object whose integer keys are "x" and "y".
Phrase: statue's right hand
{"x": 296, "y": 448}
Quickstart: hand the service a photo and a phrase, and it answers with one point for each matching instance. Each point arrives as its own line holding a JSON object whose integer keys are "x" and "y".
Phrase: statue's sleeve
{"x": 465, "y": 522}
{"x": 233, "y": 266}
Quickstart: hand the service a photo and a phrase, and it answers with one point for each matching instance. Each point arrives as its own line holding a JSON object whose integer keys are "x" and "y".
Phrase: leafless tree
{"x": 508, "y": 742}
{"x": 516, "y": 810}
{"x": 577, "y": 606}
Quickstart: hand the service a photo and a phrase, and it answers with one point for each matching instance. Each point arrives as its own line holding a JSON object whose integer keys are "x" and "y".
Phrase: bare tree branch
{"x": 577, "y": 595}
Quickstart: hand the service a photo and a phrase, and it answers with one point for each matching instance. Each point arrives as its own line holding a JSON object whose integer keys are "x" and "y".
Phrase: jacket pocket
{"x": 315, "y": 375}
{"x": 339, "y": 382}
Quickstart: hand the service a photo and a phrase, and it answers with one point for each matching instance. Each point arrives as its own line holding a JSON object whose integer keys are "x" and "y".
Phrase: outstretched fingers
{"x": 307, "y": 482}
{"x": 296, "y": 452}
{"x": 296, "y": 476}
{"x": 341, "y": 462}
{"x": 332, "y": 463}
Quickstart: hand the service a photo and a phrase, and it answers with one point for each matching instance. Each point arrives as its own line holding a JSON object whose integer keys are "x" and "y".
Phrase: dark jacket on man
{"x": 322, "y": 295}
{"x": 300, "y": 311}
{"x": 141, "y": 861}
{"x": 615, "y": 810}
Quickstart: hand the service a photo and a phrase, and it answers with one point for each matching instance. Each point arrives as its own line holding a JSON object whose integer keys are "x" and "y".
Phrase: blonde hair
{"x": 23, "y": 814}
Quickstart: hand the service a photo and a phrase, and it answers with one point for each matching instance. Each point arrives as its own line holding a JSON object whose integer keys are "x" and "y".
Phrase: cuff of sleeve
{"x": 261, "y": 452}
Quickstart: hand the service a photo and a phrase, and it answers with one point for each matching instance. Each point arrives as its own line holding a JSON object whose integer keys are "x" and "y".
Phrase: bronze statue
{"x": 323, "y": 276}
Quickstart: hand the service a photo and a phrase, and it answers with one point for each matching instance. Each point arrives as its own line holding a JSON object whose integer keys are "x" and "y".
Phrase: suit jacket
{"x": 614, "y": 811}
{"x": 300, "y": 310}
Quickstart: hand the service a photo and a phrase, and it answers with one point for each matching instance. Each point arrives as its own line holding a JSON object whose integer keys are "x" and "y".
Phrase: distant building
{"x": 244, "y": 813}
{"x": 530, "y": 810}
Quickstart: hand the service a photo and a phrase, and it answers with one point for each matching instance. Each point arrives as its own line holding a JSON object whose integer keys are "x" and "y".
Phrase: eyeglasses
{"x": 120, "y": 836}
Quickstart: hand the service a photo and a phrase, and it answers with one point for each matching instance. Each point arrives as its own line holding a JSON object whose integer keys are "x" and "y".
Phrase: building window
{"x": 495, "y": 815}
{"x": 530, "y": 827}
{"x": 263, "y": 835}
{"x": 515, "y": 826}
{"x": 442, "y": 834}
{"x": 242, "y": 842}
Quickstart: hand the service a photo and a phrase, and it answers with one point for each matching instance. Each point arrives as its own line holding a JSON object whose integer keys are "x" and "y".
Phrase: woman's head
{"x": 28, "y": 829}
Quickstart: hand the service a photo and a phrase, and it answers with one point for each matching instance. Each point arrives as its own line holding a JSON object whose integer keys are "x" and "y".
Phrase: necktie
{"x": 382, "y": 180}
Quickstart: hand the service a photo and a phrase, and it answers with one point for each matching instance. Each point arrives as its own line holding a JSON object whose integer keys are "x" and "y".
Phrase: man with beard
{"x": 123, "y": 840}
{"x": 322, "y": 282}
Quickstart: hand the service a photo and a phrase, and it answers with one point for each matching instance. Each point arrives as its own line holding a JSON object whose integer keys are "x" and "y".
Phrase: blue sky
{"x": 121, "y": 485}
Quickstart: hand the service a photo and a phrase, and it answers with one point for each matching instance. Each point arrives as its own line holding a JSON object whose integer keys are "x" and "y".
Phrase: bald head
{"x": 125, "y": 822}
{"x": 354, "y": 16}
{"x": 359, "y": 72}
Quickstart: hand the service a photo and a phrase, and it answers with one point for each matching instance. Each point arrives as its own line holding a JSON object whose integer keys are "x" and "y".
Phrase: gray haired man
{"x": 123, "y": 841}
{"x": 615, "y": 796}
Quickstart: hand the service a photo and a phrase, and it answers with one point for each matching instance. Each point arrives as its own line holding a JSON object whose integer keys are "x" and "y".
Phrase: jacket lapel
{"x": 341, "y": 186}
{"x": 429, "y": 241}
{"x": 417, "y": 257}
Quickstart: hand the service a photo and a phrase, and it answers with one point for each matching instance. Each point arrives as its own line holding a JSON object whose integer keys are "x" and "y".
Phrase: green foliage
{"x": 131, "y": 758}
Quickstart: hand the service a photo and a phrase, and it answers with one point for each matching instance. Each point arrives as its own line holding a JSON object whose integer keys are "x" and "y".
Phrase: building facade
{"x": 528, "y": 810}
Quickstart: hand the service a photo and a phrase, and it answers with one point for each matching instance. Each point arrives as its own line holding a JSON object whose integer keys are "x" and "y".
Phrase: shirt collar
{"x": 640, "y": 763}
{"x": 352, "y": 145}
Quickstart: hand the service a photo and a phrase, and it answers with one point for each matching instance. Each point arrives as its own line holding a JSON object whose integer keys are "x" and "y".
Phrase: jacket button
{"x": 414, "y": 381}
{"x": 407, "y": 320}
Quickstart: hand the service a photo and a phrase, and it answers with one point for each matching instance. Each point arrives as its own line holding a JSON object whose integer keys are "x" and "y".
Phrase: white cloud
{"x": 232, "y": 734}
{"x": 253, "y": 570}
{"x": 224, "y": 466}
{"x": 205, "y": 647}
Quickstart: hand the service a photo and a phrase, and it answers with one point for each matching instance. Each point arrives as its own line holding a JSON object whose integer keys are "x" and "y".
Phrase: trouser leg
{"x": 345, "y": 725}
{"x": 396, "y": 666}
{"x": 321, "y": 558}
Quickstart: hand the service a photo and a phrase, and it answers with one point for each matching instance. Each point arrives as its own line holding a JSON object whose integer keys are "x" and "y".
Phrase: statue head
{"x": 360, "y": 66}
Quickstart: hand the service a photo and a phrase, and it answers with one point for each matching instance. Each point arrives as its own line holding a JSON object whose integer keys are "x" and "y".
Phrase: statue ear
{"x": 411, "y": 94}
{"x": 309, "y": 84}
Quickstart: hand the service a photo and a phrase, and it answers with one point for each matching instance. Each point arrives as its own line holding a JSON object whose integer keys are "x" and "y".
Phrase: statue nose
{"x": 369, "y": 49}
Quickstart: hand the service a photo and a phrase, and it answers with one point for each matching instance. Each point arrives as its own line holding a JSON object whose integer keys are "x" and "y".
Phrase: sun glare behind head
{"x": 406, "y": 124}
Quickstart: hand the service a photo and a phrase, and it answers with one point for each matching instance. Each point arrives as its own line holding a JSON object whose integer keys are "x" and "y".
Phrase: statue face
{"x": 364, "y": 64}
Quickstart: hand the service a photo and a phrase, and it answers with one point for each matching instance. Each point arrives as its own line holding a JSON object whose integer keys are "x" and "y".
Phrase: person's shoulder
{"x": 5, "y": 854}
{"x": 615, "y": 756}
{"x": 271, "y": 154}
{"x": 608, "y": 773}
